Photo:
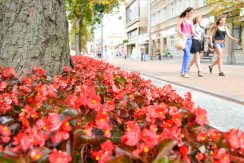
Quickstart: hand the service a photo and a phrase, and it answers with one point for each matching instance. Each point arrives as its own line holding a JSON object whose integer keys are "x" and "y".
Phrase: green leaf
{"x": 164, "y": 149}
{"x": 6, "y": 160}
{"x": 69, "y": 113}
{"x": 116, "y": 135}
{"x": 121, "y": 80}
{"x": 121, "y": 159}
{"x": 80, "y": 138}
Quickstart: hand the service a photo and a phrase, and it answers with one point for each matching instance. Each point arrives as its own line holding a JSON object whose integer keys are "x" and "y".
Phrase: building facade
{"x": 136, "y": 28}
{"x": 165, "y": 14}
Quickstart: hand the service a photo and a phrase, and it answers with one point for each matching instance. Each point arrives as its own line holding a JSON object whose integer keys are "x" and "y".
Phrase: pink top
{"x": 186, "y": 28}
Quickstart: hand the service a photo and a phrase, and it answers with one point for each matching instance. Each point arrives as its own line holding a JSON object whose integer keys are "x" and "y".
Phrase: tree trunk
{"x": 231, "y": 59}
{"x": 34, "y": 33}
{"x": 77, "y": 37}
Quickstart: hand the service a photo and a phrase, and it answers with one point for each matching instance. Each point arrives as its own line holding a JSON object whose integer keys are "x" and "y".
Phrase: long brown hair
{"x": 195, "y": 19}
{"x": 217, "y": 22}
{"x": 183, "y": 14}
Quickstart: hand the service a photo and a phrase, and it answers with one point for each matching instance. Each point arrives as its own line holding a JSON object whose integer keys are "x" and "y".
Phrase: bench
{"x": 208, "y": 55}
{"x": 207, "y": 58}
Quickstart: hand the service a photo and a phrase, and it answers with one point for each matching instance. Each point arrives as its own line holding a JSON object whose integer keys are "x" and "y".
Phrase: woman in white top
{"x": 197, "y": 47}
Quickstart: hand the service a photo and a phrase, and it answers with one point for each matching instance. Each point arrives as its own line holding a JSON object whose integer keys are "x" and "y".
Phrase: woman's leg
{"x": 197, "y": 61}
{"x": 192, "y": 62}
{"x": 186, "y": 57}
{"x": 217, "y": 60}
{"x": 220, "y": 58}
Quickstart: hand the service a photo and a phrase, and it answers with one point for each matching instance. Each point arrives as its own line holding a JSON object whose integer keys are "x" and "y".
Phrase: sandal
{"x": 210, "y": 69}
{"x": 221, "y": 74}
{"x": 200, "y": 74}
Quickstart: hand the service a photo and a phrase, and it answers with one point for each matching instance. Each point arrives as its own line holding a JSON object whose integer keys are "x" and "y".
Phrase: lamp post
{"x": 149, "y": 29}
{"x": 100, "y": 8}
{"x": 102, "y": 36}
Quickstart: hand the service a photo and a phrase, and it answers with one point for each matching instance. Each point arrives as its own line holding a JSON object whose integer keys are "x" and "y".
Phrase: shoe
{"x": 200, "y": 74}
{"x": 210, "y": 69}
{"x": 186, "y": 76}
{"x": 221, "y": 74}
{"x": 182, "y": 74}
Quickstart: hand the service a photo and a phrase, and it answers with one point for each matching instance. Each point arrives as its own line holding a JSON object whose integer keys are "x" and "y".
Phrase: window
{"x": 132, "y": 34}
{"x": 201, "y": 3}
{"x": 190, "y": 3}
{"x": 168, "y": 12}
{"x": 158, "y": 17}
{"x": 132, "y": 12}
{"x": 171, "y": 42}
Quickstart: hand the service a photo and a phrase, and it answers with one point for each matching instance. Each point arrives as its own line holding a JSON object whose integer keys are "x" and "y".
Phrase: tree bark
{"x": 77, "y": 37}
{"x": 34, "y": 33}
{"x": 231, "y": 59}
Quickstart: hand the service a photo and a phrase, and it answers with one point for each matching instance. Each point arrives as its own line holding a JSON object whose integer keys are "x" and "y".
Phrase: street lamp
{"x": 149, "y": 29}
{"x": 100, "y": 8}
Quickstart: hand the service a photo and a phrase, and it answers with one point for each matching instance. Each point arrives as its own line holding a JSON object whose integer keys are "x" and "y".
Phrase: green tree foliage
{"x": 83, "y": 14}
{"x": 231, "y": 8}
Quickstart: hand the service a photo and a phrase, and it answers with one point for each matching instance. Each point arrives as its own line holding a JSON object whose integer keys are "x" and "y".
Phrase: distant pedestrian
{"x": 217, "y": 41}
{"x": 143, "y": 56}
{"x": 197, "y": 44}
{"x": 185, "y": 29}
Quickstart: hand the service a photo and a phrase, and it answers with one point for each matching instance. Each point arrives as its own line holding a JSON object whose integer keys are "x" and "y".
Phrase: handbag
{"x": 180, "y": 42}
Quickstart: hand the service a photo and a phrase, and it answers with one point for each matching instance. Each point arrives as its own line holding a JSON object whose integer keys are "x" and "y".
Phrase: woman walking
{"x": 197, "y": 47}
{"x": 185, "y": 29}
{"x": 217, "y": 40}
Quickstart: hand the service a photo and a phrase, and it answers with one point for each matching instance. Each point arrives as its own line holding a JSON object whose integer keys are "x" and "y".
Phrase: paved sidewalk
{"x": 230, "y": 87}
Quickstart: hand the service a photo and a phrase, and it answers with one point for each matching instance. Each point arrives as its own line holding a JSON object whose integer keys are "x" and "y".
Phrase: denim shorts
{"x": 219, "y": 45}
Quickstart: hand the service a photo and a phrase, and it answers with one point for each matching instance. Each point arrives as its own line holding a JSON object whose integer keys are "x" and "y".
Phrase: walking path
{"x": 230, "y": 87}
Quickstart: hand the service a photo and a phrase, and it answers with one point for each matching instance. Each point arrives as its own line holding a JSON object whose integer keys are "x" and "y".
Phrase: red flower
{"x": 35, "y": 155}
{"x": 38, "y": 71}
{"x": 102, "y": 120}
{"x": 213, "y": 135}
{"x": 3, "y": 85}
{"x": 131, "y": 136}
{"x": 201, "y": 117}
{"x": 109, "y": 105}
{"x": 177, "y": 119}
{"x": 74, "y": 101}
{"x": 202, "y": 137}
{"x": 149, "y": 137}
{"x": 140, "y": 149}
{"x": 59, "y": 157}
{"x": 66, "y": 69}
{"x": 66, "y": 125}
{"x": 168, "y": 124}
{"x": 220, "y": 156}
{"x": 200, "y": 157}
{"x": 9, "y": 72}
{"x": 54, "y": 121}
{"x": 105, "y": 153}
{"x": 94, "y": 101}
{"x": 59, "y": 136}
{"x": 184, "y": 153}
{"x": 108, "y": 147}
{"x": 151, "y": 114}
{"x": 161, "y": 110}
{"x": 5, "y": 134}
{"x": 234, "y": 138}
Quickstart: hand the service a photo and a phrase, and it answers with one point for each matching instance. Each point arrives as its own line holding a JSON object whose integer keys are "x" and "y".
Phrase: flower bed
{"x": 99, "y": 113}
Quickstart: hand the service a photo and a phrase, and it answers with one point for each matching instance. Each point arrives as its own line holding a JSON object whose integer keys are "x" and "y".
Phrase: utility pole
{"x": 102, "y": 35}
{"x": 149, "y": 29}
